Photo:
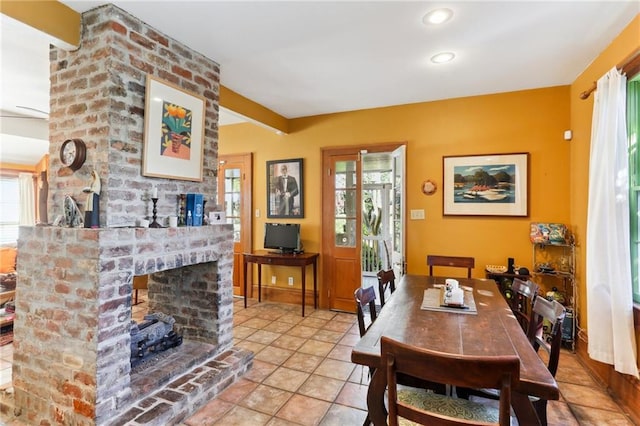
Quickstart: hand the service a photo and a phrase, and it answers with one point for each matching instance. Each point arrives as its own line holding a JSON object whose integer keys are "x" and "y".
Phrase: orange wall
{"x": 528, "y": 121}
{"x": 581, "y": 111}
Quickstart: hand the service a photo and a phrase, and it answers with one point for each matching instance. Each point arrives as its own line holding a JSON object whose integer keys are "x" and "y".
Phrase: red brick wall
{"x": 98, "y": 95}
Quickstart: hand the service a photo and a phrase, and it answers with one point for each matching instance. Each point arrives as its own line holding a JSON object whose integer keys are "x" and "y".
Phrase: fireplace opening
{"x": 176, "y": 326}
{"x": 151, "y": 338}
{"x": 160, "y": 368}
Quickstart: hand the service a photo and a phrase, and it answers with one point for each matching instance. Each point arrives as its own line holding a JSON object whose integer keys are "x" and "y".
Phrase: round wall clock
{"x": 429, "y": 187}
{"x": 73, "y": 153}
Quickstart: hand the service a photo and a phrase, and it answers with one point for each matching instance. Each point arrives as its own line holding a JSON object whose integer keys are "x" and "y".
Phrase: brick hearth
{"x": 177, "y": 399}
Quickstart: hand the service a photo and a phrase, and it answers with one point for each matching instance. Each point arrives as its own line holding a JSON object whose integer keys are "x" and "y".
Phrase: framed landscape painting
{"x": 486, "y": 185}
{"x": 173, "y": 132}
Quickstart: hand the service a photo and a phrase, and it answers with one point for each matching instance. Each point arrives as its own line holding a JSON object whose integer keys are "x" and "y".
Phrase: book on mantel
{"x": 195, "y": 207}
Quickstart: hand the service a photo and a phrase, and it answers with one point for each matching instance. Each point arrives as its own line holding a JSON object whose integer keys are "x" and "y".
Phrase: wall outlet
{"x": 290, "y": 280}
{"x": 273, "y": 279}
{"x": 417, "y": 214}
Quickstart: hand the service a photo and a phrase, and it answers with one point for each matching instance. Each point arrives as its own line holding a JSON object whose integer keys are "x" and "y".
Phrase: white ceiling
{"x": 305, "y": 58}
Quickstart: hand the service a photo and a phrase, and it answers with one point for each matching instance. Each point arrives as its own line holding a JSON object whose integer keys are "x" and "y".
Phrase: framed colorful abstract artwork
{"x": 486, "y": 185}
{"x": 173, "y": 132}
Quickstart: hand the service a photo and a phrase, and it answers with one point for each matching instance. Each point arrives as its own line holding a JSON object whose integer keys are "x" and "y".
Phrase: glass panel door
{"x": 234, "y": 197}
{"x": 342, "y": 219}
{"x": 398, "y": 257}
{"x": 232, "y": 200}
{"x": 345, "y": 203}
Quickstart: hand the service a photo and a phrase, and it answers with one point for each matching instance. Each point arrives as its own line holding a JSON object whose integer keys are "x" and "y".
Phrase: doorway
{"x": 234, "y": 196}
{"x": 363, "y": 218}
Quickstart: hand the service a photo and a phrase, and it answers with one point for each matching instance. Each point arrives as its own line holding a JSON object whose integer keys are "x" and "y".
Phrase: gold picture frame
{"x": 173, "y": 132}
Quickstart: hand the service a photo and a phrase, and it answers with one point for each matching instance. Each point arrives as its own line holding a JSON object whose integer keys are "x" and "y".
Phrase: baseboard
{"x": 284, "y": 295}
{"x": 624, "y": 389}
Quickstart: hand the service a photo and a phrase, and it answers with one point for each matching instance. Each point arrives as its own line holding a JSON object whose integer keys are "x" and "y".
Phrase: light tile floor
{"x": 302, "y": 374}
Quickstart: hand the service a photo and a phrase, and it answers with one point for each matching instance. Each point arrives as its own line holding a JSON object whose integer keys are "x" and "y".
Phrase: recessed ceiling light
{"x": 437, "y": 16}
{"x": 443, "y": 57}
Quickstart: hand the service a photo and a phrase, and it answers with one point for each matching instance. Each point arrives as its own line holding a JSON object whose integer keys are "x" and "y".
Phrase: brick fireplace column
{"x": 73, "y": 297}
{"x": 98, "y": 95}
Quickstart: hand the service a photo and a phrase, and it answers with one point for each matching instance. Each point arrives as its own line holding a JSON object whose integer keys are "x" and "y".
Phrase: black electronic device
{"x": 284, "y": 237}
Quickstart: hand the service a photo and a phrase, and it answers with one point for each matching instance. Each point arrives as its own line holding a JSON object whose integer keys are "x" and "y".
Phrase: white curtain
{"x": 609, "y": 293}
{"x": 27, "y": 199}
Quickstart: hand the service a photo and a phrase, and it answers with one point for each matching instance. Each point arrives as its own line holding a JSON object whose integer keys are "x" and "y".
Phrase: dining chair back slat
{"x": 495, "y": 372}
{"x": 386, "y": 280}
{"x": 451, "y": 261}
{"x": 523, "y": 296}
{"x": 365, "y": 299}
{"x": 550, "y": 313}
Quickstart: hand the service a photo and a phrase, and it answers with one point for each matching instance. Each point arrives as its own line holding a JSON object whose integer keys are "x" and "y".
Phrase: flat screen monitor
{"x": 284, "y": 237}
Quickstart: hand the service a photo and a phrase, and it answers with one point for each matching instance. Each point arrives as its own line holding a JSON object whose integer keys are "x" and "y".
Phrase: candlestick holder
{"x": 155, "y": 223}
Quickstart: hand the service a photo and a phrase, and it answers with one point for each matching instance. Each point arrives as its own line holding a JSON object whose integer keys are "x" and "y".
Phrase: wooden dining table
{"x": 492, "y": 331}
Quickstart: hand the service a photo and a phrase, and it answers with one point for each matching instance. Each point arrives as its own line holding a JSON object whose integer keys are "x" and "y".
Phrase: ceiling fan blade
{"x": 33, "y": 109}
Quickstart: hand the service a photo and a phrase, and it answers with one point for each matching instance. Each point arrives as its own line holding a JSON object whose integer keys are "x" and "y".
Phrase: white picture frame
{"x": 486, "y": 185}
{"x": 173, "y": 132}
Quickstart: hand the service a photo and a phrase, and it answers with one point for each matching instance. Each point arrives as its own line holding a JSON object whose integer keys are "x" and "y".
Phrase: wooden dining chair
{"x": 451, "y": 261}
{"x": 365, "y": 300}
{"x": 549, "y": 313}
{"x": 386, "y": 280}
{"x": 497, "y": 372}
{"x": 523, "y": 295}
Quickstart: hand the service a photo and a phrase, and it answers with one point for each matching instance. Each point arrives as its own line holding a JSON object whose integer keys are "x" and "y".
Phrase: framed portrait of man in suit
{"x": 285, "y": 195}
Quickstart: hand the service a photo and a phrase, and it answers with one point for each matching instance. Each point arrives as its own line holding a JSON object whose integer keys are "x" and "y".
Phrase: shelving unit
{"x": 6, "y": 319}
{"x": 554, "y": 266}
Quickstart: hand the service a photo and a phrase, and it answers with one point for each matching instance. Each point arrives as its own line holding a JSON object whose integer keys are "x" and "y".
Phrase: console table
{"x": 264, "y": 257}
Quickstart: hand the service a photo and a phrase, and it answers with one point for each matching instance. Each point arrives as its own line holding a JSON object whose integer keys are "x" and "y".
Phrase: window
{"x": 633, "y": 126}
{"x": 9, "y": 209}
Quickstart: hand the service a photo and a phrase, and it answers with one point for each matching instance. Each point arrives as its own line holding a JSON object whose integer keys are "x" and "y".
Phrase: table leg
{"x": 523, "y": 408}
{"x": 315, "y": 285}
{"x": 259, "y": 282}
{"x": 375, "y": 398}
{"x": 304, "y": 286}
{"x": 244, "y": 266}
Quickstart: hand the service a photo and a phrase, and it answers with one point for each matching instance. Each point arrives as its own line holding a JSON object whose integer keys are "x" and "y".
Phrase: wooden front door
{"x": 234, "y": 195}
{"x": 342, "y": 221}
{"x": 341, "y": 227}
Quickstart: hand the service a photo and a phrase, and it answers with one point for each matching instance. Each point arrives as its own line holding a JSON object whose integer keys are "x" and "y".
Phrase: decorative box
{"x": 549, "y": 233}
